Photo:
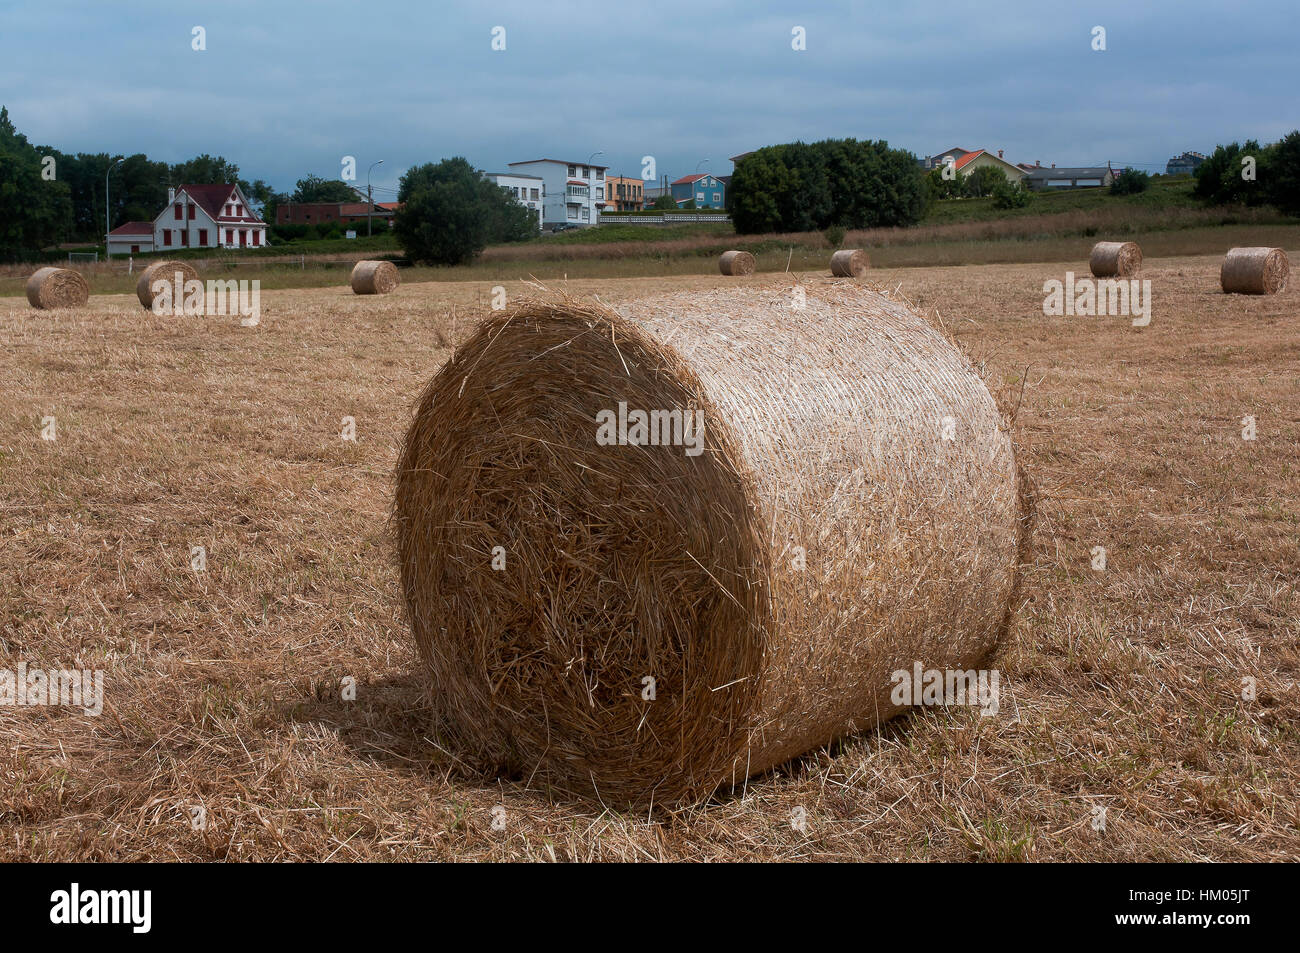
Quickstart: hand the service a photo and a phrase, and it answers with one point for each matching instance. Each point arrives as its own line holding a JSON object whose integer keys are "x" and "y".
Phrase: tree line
{"x": 50, "y": 197}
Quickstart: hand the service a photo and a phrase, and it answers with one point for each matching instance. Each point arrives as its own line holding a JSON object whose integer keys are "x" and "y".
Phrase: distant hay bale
{"x": 164, "y": 271}
{"x": 57, "y": 288}
{"x": 736, "y": 263}
{"x": 849, "y": 263}
{"x": 1115, "y": 259}
{"x": 1254, "y": 271}
{"x": 624, "y": 604}
{"x": 374, "y": 278}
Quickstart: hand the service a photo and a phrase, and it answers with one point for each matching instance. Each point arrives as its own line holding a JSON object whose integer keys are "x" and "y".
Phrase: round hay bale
{"x": 736, "y": 263}
{"x": 849, "y": 263}
{"x": 374, "y": 278}
{"x": 57, "y": 288}
{"x": 167, "y": 271}
{"x": 1115, "y": 259}
{"x": 1254, "y": 271}
{"x": 646, "y": 615}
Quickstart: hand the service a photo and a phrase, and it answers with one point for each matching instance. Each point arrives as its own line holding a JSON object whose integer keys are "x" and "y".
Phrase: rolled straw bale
{"x": 1254, "y": 271}
{"x": 57, "y": 288}
{"x": 856, "y": 508}
{"x": 849, "y": 263}
{"x": 1115, "y": 259}
{"x": 374, "y": 278}
{"x": 736, "y": 263}
{"x": 164, "y": 271}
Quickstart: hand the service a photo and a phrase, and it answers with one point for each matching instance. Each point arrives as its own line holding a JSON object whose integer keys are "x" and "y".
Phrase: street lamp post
{"x": 370, "y": 203}
{"x": 108, "y": 225}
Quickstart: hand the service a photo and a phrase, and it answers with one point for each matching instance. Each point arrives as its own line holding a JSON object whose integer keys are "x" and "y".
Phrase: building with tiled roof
{"x": 196, "y": 216}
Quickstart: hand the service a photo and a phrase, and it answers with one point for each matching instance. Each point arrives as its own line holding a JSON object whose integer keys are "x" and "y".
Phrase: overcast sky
{"x": 287, "y": 88}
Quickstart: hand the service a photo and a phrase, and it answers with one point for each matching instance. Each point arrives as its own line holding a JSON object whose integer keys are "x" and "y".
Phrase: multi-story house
{"x": 623, "y": 194}
{"x": 196, "y": 216}
{"x": 527, "y": 190}
{"x": 708, "y": 190}
{"x": 573, "y": 193}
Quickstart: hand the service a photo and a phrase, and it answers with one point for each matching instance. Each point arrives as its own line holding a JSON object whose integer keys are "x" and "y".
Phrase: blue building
{"x": 708, "y": 190}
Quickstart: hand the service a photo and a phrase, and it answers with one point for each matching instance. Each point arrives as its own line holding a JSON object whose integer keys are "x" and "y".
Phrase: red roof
{"x": 134, "y": 228}
{"x": 578, "y": 182}
{"x": 213, "y": 198}
{"x": 690, "y": 178}
{"x": 967, "y": 158}
{"x": 391, "y": 206}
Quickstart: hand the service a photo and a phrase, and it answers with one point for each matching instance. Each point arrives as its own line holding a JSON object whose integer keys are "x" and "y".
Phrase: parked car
{"x": 563, "y": 227}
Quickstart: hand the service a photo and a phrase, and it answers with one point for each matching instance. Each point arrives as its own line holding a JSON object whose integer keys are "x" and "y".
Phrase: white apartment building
{"x": 527, "y": 190}
{"x": 573, "y": 192}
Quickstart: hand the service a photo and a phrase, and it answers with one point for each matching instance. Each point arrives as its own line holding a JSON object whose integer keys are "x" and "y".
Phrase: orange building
{"x": 623, "y": 194}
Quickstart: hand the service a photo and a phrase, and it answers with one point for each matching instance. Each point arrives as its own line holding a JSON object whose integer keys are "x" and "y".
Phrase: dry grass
{"x": 1120, "y": 688}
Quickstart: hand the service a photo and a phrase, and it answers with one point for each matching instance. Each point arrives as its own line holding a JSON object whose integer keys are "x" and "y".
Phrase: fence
{"x": 662, "y": 218}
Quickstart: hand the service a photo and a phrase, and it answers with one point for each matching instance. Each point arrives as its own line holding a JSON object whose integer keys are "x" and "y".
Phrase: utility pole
{"x": 108, "y": 225}
{"x": 370, "y": 201}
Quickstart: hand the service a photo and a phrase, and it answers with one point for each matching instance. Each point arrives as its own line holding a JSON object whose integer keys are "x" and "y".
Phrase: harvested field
{"x": 225, "y": 689}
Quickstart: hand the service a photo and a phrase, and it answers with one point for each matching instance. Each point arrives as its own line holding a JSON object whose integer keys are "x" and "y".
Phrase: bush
{"x": 452, "y": 213}
{"x": 835, "y": 236}
{"x": 1130, "y": 182}
{"x": 800, "y": 187}
{"x": 982, "y": 181}
{"x": 1008, "y": 194}
{"x": 665, "y": 203}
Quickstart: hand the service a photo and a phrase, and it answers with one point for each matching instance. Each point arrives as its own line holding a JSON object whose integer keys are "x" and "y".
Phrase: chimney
{"x": 999, "y": 153}
{"x": 171, "y": 195}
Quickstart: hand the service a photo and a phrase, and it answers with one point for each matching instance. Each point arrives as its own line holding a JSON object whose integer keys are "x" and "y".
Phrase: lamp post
{"x": 370, "y": 204}
{"x": 108, "y": 225}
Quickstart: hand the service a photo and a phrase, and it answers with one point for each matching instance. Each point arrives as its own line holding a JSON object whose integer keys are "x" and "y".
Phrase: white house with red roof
{"x": 965, "y": 162}
{"x": 196, "y": 216}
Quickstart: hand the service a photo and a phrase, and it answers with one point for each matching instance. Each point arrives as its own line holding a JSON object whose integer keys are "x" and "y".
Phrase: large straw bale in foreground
{"x": 836, "y": 528}
{"x": 736, "y": 263}
{"x": 1115, "y": 259}
{"x": 374, "y": 278}
{"x": 850, "y": 263}
{"x": 1254, "y": 271}
{"x": 57, "y": 288}
{"x": 164, "y": 271}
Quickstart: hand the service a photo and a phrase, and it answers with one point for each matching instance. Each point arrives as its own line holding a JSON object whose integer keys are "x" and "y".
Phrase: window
{"x": 699, "y": 196}
{"x": 717, "y": 196}
{"x": 600, "y": 174}
{"x": 230, "y": 236}
{"x": 239, "y": 209}
{"x": 573, "y": 211}
{"x": 586, "y": 214}
{"x": 203, "y": 236}
{"x": 135, "y": 249}
{"x": 573, "y": 170}
{"x": 177, "y": 211}
{"x": 534, "y": 195}
{"x": 600, "y": 192}
{"x": 190, "y": 212}
{"x": 167, "y": 236}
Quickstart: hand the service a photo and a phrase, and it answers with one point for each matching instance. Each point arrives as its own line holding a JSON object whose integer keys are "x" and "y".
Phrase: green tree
{"x": 207, "y": 170}
{"x": 981, "y": 181}
{"x": 665, "y": 203}
{"x": 801, "y": 187}
{"x": 315, "y": 189}
{"x": 35, "y": 210}
{"x": 1225, "y": 179}
{"x": 1283, "y": 186}
{"x": 1130, "y": 182}
{"x": 451, "y": 213}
